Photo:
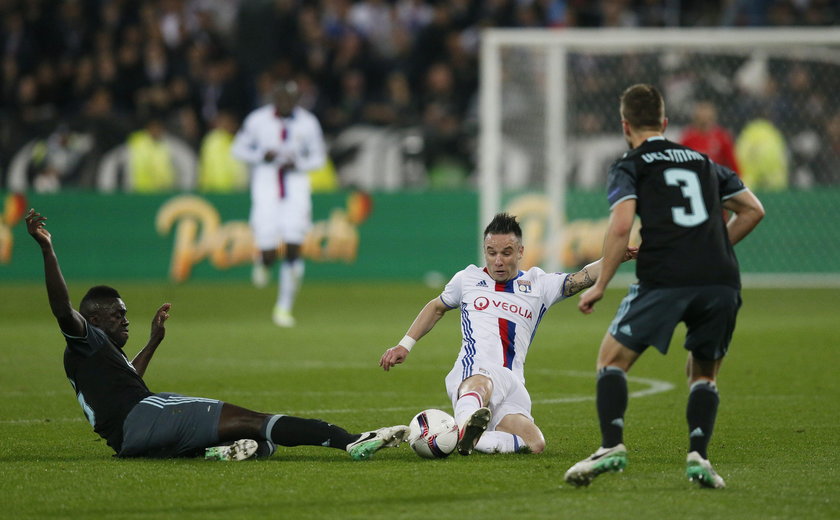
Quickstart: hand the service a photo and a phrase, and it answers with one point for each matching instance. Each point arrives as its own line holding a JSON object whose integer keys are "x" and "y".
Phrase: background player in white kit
{"x": 281, "y": 142}
{"x": 501, "y": 308}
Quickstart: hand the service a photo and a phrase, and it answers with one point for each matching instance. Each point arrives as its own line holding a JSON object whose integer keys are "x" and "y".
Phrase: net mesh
{"x": 779, "y": 108}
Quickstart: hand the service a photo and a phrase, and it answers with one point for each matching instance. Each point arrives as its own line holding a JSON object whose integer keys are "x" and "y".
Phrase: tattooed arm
{"x": 586, "y": 277}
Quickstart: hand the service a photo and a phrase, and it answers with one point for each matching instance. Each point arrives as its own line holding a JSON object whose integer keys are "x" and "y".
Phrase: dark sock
{"x": 265, "y": 449}
{"x": 700, "y": 413}
{"x": 286, "y": 430}
{"x": 611, "y": 402}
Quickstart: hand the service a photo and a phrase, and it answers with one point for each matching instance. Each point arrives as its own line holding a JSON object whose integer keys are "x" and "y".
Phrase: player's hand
{"x": 269, "y": 156}
{"x": 393, "y": 356}
{"x": 631, "y": 254}
{"x": 587, "y": 301}
{"x": 287, "y": 159}
{"x": 158, "y": 327}
{"x": 35, "y": 227}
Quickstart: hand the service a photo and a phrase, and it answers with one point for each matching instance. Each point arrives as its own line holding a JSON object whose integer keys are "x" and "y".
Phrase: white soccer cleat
{"x": 472, "y": 430}
{"x": 282, "y": 318}
{"x": 602, "y": 461}
{"x": 700, "y": 470}
{"x": 242, "y": 449}
{"x": 371, "y": 442}
{"x": 260, "y": 275}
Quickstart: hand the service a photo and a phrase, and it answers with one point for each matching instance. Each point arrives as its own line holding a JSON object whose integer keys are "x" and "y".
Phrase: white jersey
{"x": 499, "y": 320}
{"x": 281, "y": 205}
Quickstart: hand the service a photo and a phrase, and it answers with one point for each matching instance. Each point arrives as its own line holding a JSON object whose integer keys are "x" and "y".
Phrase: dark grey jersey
{"x": 678, "y": 194}
{"x": 107, "y": 386}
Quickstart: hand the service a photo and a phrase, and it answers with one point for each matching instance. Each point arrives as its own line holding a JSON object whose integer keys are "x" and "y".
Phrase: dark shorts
{"x": 648, "y": 316}
{"x": 169, "y": 425}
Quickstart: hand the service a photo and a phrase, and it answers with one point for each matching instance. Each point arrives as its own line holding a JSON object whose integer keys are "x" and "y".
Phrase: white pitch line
{"x": 654, "y": 386}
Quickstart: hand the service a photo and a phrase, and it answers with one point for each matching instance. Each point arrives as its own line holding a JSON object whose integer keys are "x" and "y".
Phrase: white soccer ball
{"x": 433, "y": 434}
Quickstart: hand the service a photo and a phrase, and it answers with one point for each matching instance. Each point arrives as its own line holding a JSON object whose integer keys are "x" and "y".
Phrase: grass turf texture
{"x": 775, "y": 441}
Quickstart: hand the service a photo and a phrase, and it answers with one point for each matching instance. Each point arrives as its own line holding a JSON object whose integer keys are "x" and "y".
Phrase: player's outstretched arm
{"x": 431, "y": 313}
{"x": 748, "y": 212}
{"x": 141, "y": 360}
{"x": 69, "y": 320}
{"x": 586, "y": 277}
{"x": 615, "y": 251}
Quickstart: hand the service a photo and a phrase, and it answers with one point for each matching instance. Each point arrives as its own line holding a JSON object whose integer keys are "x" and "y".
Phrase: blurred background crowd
{"x": 87, "y": 85}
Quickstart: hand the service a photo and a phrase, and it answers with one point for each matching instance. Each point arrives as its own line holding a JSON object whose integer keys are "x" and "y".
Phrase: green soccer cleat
{"x": 242, "y": 449}
{"x": 700, "y": 470}
{"x": 370, "y": 442}
{"x": 605, "y": 459}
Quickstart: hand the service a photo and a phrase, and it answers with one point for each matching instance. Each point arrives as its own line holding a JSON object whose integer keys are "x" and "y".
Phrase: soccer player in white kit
{"x": 281, "y": 142}
{"x": 501, "y": 307}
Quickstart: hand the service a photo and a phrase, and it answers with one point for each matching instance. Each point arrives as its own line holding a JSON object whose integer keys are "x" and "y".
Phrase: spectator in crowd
{"x": 705, "y": 135}
{"x": 373, "y": 19}
{"x": 221, "y": 88}
{"x": 443, "y": 110}
{"x": 191, "y": 59}
{"x": 45, "y": 165}
{"x": 394, "y": 107}
{"x": 218, "y": 170}
{"x": 348, "y": 109}
{"x": 804, "y": 108}
{"x": 152, "y": 160}
{"x": 763, "y": 156}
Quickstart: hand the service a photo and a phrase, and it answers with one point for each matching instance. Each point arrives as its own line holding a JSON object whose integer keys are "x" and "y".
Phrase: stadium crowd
{"x": 82, "y": 79}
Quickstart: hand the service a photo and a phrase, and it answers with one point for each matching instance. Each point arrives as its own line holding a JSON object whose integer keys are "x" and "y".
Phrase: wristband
{"x": 407, "y": 342}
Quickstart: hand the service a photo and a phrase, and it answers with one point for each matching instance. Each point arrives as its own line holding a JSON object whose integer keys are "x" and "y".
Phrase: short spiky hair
{"x": 95, "y": 297}
{"x": 502, "y": 224}
{"x": 643, "y": 107}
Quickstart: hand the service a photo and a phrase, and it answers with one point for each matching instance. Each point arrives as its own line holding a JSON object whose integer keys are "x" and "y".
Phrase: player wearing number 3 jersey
{"x": 675, "y": 190}
{"x": 687, "y": 272}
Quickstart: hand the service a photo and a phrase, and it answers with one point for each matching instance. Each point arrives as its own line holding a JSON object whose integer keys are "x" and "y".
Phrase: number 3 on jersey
{"x": 689, "y": 184}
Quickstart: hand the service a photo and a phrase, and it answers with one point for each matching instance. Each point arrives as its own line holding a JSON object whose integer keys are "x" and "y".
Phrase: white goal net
{"x": 550, "y": 129}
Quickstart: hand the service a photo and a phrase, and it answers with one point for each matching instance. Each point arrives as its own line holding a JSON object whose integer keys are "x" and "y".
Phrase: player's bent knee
{"x": 536, "y": 446}
{"x": 524, "y": 428}
{"x": 483, "y": 385}
{"x": 535, "y": 440}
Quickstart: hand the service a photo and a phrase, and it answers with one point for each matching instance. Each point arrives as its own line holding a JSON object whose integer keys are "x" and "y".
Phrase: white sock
{"x": 499, "y": 442}
{"x": 465, "y": 406}
{"x": 291, "y": 274}
{"x": 298, "y": 268}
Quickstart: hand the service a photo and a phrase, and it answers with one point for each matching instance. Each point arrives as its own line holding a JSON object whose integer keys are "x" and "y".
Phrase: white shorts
{"x": 509, "y": 394}
{"x": 275, "y": 219}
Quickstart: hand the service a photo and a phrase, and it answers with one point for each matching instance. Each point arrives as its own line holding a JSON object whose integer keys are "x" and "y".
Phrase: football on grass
{"x": 433, "y": 434}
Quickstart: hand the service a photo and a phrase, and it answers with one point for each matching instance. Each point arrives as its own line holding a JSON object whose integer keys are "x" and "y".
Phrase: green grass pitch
{"x": 776, "y": 441}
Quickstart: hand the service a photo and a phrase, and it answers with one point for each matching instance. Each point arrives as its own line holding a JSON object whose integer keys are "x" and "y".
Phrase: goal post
{"x": 548, "y": 113}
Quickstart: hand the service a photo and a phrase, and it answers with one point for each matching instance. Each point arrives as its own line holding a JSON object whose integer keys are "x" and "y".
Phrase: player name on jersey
{"x": 672, "y": 155}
